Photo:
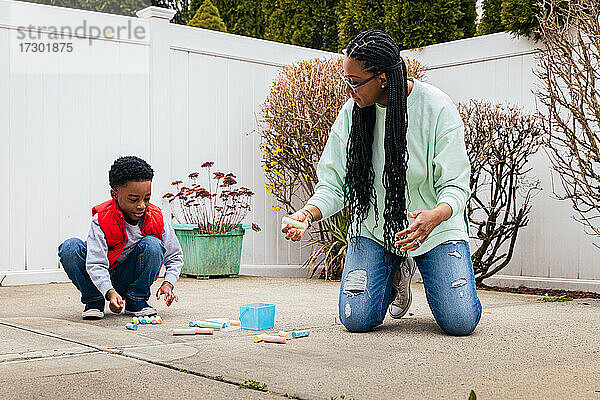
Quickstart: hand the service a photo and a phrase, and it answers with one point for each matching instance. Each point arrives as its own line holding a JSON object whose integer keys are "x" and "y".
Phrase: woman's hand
{"x": 295, "y": 234}
{"x": 425, "y": 222}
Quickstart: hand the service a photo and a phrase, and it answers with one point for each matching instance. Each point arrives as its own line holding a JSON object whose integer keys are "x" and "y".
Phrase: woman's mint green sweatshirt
{"x": 438, "y": 166}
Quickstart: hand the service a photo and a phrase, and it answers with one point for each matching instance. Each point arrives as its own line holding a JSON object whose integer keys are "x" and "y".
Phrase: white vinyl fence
{"x": 553, "y": 251}
{"x": 174, "y": 95}
{"x": 178, "y": 96}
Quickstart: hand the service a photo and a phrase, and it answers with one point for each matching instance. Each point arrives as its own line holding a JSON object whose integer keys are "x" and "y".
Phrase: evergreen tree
{"x": 520, "y": 16}
{"x": 207, "y": 17}
{"x": 355, "y": 16}
{"x": 242, "y": 17}
{"x": 491, "y": 20}
{"x": 466, "y": 22}
{"x": 309, "y": 23}
{"x": 418, "y": 23}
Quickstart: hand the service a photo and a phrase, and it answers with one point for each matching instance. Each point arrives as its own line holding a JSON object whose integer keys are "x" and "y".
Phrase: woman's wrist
{"x": 312, "y": 211}
{"x": 444, "y": 211}
{"x": 308, "y": 216}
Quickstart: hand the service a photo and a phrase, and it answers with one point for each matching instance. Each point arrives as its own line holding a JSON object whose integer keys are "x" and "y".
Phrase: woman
{"x": 397, "y": 145}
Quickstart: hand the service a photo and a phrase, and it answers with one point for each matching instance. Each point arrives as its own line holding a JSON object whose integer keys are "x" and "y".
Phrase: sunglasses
{"x": 354, "y": 86}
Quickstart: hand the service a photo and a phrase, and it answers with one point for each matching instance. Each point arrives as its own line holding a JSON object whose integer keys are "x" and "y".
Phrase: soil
{"x": 542, "y": 292}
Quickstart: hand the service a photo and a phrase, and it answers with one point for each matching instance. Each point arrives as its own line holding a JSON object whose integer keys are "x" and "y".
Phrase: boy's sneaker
{"x": 403, "y": 297}
{"x": 138, "y": 308}
{"x": 93, "y": 311}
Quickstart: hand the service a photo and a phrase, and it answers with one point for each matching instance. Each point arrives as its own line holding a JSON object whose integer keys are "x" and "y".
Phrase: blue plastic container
{"x": 257, "y": 316}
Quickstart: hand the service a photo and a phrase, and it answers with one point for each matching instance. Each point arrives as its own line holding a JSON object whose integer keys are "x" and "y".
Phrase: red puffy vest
{"x": 112, "y": 223}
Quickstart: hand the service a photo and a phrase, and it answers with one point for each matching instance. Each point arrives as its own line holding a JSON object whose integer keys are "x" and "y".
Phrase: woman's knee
{"x": 357, "y": 318}
{"x": 461, "y": 323}
{"x": 355, "y": 324}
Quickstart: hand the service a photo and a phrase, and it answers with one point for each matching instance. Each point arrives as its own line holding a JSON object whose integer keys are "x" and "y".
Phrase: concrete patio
{"x": 522, "y": 348}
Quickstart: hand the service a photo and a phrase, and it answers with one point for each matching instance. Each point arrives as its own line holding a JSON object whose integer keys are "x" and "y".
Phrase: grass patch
{"x": 254, "y": 385}
{"x": 551, "y": 299}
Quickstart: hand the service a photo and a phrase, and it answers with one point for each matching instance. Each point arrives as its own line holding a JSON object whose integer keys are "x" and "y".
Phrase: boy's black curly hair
{"x": 129, "y": 168}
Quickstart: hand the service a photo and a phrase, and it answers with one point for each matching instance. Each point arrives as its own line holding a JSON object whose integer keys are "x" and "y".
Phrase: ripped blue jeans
{"x": 447, "y": 271}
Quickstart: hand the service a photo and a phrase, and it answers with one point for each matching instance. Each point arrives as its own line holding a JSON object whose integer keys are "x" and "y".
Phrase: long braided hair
{"x": 379, "y": 54}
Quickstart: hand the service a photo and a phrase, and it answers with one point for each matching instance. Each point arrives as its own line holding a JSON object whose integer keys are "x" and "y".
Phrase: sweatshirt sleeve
{"x": 331, "y": 170}
{"x": 96, "y": 262}
{"x": 173, "y": 260}
{"x": 451, "y": 163}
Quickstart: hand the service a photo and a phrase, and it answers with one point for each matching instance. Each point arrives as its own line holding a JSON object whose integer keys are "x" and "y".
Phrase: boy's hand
{"x": 167, "y": 289}
{"x": 115, "y": 302}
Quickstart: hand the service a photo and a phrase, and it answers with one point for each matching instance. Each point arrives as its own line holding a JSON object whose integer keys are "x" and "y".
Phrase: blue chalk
{"x": 299, "y": 334}
{"x": 131, "y": 326}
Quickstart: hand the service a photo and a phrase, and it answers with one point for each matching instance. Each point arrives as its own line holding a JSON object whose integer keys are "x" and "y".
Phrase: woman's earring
{"x": 382, "y": 85}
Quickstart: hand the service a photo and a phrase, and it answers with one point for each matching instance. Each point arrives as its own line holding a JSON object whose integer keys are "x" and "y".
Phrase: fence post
{"x": 159, "y": 101}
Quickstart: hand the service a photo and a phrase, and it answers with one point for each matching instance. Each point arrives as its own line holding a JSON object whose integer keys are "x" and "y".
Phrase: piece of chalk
{"x": 207, "y": 324}
{"x": 191, "y": 324}
{"x": 299, "y": 334}
{"x": 273, "y": 339}
{"x": 142, "y": 320}
{"x": 285, "y": 334}
{"x": 131, "y": 326}
{"x": 159, "y": 320}
{"x": 219, "y": 320}
{"x": 296, "y": 224}
{"x": 135, "y": 320}
{"x": 193, "y": 331}
{"x": 234, "y": 322}
{"x": 259, "y": 338}
{"x": 154, "y": 321}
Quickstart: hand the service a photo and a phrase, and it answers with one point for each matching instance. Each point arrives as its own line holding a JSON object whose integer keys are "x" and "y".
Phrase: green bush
{"x": 491, "y": 20}
{"x": 207, "y": 17}
{"x": 520, "y": 17}
{"x": 515, "y": 16}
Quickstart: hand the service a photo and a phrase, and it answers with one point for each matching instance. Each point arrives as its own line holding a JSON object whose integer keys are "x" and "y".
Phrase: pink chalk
{"x": 273, "y": 339}
{"x": 204, "y": 331}
{"x": 193, "y": 331}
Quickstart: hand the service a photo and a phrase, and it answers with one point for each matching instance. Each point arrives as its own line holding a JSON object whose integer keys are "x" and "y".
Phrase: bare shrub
{"x": 569, "y": 68}
{"x": 500, "y": 139}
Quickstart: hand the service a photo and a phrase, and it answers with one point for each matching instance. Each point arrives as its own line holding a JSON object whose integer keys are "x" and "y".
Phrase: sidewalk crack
{"x": 149, "y": 361}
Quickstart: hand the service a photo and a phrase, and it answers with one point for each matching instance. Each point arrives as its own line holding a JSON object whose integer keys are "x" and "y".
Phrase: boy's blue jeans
{"x": 367, "y": 286}
{"x": 131, "y": 279}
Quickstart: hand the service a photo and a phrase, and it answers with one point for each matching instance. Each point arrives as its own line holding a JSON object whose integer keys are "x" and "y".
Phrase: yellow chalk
{"x": 259, "y": 338}
{"x": 287, "y": 335}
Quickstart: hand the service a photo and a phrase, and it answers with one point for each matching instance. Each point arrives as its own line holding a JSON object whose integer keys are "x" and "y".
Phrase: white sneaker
{"x": 92, "y": 313}
{"x": 145, "y": 311}
{"x": 403, "y": 298}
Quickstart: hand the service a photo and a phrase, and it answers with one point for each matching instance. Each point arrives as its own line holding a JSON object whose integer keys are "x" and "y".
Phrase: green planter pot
{"x": 209, "y": 255}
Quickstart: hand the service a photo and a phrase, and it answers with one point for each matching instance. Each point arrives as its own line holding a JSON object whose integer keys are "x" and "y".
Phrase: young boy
{"x": 128, "y": 242}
